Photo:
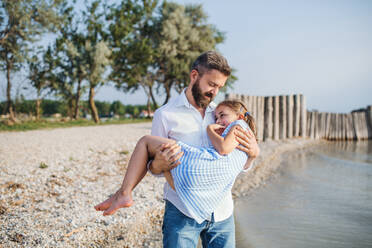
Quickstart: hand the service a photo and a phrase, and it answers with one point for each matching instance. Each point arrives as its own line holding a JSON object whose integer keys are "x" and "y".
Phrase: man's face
{"x": 206, "y": 87}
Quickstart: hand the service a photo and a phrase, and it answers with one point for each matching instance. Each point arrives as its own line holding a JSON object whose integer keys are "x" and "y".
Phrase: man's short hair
{"x": 211, "y": 60}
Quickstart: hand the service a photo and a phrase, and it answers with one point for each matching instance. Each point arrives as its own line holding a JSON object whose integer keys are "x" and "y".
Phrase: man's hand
{"x": 248, "y": 142}
{"x": 166, "y": 158}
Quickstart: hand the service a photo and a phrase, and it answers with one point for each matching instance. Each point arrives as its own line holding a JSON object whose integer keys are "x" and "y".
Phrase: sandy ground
{"x": 51, "y": 179}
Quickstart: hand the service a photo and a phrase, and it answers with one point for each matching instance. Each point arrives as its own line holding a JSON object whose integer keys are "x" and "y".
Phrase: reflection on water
{"x": 322, "y": 197}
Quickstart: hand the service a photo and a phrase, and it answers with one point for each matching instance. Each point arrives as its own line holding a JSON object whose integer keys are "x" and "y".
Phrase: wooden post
{"x": 276, "y": 117}
{"x": 332, "y": 126}
{"x": 309, "y": 116}
{"x": 337, "y": 127}
{"x": 336, "y": 133}
{"x": 321, "y": 125}
{"x": 268, "y": 126}
{"x": 316, "y": 124}
{"x": 312, "y": 125}
{"x": 324, "y": 118}
{"x": 303, "y": 116}
{"x": 349, "y": 127}
{"x": 356, "y": 126}
{"x": 260, "y": 117}
{"x": 328, "y": 126}
{"x": 242, "y": 98}
{"x": 289, "y": 116}
{"x": 253, "y": 107}
{"x": 296, "y": 116}
{"x": 248, "y": 103}
{"x": 348, "y": 131}
{"x": 341, "y": 120}
{"x": 363, "y": 124}
{"x": 360, "y": 126}
{"x": 369, "y": 120}
{"x": 354, "y": 133}
{"x": 282, "y": 117}
{"x": 344, "y": 126}
{"x": 308, "y": 120}
{"x": 341, "y": 127}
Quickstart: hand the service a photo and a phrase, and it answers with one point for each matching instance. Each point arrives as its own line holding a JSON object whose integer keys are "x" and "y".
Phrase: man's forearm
{"x": 249, "y": 163}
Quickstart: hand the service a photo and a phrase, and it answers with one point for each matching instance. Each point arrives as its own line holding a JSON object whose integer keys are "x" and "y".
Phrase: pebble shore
{"x": 50, "y": 181}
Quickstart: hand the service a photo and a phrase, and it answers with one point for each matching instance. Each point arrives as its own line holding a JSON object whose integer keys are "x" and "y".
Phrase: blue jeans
{"x": 182, "y": 231}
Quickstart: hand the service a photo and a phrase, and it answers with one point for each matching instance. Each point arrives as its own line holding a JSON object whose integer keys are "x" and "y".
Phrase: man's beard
{"x": 202, "y": 100}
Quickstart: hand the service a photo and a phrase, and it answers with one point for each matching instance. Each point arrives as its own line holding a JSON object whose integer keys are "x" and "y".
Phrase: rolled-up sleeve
{"x": 158, "y": 125}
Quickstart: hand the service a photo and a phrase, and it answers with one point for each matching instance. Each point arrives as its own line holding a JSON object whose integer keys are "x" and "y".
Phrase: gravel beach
{"x": 51, "y": 179}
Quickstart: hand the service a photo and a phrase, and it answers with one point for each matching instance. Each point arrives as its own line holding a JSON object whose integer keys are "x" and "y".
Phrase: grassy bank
{"x": 48, "y": 124}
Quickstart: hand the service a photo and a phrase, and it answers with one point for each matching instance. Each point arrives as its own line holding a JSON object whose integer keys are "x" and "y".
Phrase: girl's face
{"x": 225, "y": 115}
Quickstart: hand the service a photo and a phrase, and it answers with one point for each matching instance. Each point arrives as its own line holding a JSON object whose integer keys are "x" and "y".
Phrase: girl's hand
{"x": 217, "y": 128}
{"x": 248, "y": 142}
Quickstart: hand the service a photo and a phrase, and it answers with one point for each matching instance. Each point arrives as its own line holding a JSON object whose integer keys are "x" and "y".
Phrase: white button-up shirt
{"x": 179, "y": 120}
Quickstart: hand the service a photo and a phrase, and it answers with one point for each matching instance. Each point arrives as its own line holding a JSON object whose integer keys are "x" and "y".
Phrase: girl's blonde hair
{"x": 241, "y": 109}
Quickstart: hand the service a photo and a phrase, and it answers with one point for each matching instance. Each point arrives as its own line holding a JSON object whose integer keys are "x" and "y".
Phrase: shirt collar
{"x": 182, "y": 101}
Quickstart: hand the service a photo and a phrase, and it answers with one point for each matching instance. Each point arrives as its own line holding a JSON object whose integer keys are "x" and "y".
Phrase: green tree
{"x": 71, "y": 59}
{"x": 25, "y": 106}
{"x": 103, "y": 108}
{"x": 21, "y": 24}
{"x": 134, "y": 51}
{"x": 63, "y": 89}
{"x": 40, "y": 77}
{"x": 83, "y": 56}
{"x": 117, "y": 108}
{"x": 136, "y": 111}
{"x": 50, "y": 107}
{"x": 99, "y": 59}
{"x": 183, "y": 33}
{"x": 97, "y": 52}
{"x": 12, "y": 58}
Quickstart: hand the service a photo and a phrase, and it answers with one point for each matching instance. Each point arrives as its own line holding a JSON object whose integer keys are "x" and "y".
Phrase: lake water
{"x": 320, "y": 197}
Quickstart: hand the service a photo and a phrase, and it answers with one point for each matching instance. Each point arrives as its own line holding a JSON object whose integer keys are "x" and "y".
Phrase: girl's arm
{"x": 222, "y": 145}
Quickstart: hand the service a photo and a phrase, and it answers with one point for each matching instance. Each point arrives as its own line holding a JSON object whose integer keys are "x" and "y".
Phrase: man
{"x": 186, "y": 118}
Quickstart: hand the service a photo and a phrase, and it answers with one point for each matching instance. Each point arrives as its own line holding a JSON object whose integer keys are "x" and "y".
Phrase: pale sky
{"x": 319, "y": 48}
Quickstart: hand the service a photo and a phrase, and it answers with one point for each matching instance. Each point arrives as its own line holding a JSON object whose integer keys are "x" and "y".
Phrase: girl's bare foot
{"x": 104, "y": 205}
{"x": 118, "y": 200}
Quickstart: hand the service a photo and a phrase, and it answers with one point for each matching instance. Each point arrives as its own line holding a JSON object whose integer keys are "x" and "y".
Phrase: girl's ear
{"x": 240, "y": 117}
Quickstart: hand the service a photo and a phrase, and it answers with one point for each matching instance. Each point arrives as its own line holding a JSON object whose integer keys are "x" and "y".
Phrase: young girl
{"x": 204, "y": 176}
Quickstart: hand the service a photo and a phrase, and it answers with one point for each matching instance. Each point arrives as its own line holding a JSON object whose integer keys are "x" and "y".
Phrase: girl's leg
{"x": 169, "y": 178}
{"x": 137, "y": 166}
{"x": 145, "y": 149}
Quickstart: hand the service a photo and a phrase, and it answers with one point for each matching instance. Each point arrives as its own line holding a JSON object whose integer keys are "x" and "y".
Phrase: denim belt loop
{"x": 212, "y": 217}
{"x": 210, "y": 222}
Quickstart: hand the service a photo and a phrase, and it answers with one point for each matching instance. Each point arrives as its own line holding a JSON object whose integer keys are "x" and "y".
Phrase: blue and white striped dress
{"x": 204, "y": 177}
